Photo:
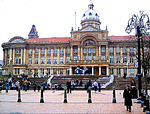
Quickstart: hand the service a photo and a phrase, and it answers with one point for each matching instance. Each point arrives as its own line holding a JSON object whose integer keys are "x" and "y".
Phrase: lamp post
{"x": 141, "y": 24}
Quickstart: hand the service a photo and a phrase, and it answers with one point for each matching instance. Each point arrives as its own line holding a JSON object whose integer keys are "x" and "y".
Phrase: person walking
{"x": 95, "y": 86}
{"x": 99, "y": 87}
{"x": 68, "y": 84}
{"x": 7, "y": 86}
{"x": 127, "y": 98}
{"x": 34, "y": 86}
{"x": 25, "y": 85}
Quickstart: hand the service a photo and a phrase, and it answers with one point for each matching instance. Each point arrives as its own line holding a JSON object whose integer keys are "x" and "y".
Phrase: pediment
{"x": 17, "y": 40}
{"x": 88, "y": 28}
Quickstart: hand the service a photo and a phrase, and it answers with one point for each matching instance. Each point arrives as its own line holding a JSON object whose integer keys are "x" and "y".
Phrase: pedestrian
{"x": 73, "y": 85}
{"x": 7, "y": 86}
{"x": 89, "y": 84}
{"x": 127, "y": 98}
{"x": 13, "y": 86}
{"x": 39, "y": 88}
{"x": 99, "y": 87}
{"x": 17, "y": 85}
{"x": 43, "y": 85}
{"x": 34, "y": 86}
{"x": 25, "y": 85}
{"x": 95, "y": 86}
{"x": 133, "y": 83}
{"x": 68, "y": 84}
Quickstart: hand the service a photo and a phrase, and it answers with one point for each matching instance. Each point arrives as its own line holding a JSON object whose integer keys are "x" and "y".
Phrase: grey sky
{"x": 54, "y": 18}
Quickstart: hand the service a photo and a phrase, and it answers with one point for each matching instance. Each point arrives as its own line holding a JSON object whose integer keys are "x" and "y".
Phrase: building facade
{"x": 90, "y": 47}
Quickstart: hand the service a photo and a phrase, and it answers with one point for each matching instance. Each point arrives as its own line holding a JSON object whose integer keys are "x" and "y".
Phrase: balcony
{"x": 79, "y": 62}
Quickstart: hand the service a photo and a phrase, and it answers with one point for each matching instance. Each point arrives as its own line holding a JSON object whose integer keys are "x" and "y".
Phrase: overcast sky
{"x": 54, "y": 18}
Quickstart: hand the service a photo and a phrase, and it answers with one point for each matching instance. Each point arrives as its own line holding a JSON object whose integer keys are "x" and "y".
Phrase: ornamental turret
{"x": 33, "y": 33}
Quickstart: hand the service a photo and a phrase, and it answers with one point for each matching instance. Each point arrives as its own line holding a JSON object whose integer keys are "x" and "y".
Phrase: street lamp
{"x": 141, "y": 24}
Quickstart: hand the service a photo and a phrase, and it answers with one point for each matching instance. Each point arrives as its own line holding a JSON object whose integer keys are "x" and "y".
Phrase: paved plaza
{"x": 77, "y": 102}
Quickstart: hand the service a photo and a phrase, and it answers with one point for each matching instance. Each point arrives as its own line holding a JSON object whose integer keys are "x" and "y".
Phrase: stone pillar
{"x": 122, "y": 72}
{"x": 58, "y": 56}
{"x": 39, "y": 72}
{"x": 71, "y": 52}
{"x": 64, "y": 71}
{"x": 96, "y": 53}
{"x": 10, "y": 55}
{"x": 13, "y": 61}
{"x": 25, "y": 56}
{"x": 64, "y": 55}
{"x": 128, "y": 52}
{"x": 92, "y": 70}
{"x": 128, "y": 72}
{"x": 107, "y": 70}
{"x": 81, "y": 53}
{"x": 70, "y": 71}
{"x": 39, "y": 58}
{"x": 115, "y": 71}
{"x": 52, "y": 56}
{"x": 107, "y": 53}
{"x": 3, "y": 57}
{"x": 33, "y": 56}
{"x": 21, "y": 55}
{"x": 99, "y": 53}
{"x": 99, "y": 70}
{"x": 114, "y": 54}
{"x": 6, "y": 56}
{"x": 45, "y": 71}
{"x": 51, "y": 71}
{"x": 46, "y": 56}
{"x": 121, "y": 55}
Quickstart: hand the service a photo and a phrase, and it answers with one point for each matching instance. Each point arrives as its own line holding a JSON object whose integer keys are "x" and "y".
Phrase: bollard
{"x": 19, "y": 96}
{"x": 114, "y": 95}
{"x": 89, "y": 100}
{"x": 42, "y": 100}
{"x": 65, "y": 95}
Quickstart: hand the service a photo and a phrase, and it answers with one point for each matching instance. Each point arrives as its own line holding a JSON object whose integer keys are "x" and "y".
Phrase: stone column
{"x": 39, "y": 72}
{"x": 33, "y": 56}
{"x": 121, "y": 55}
{"x": 70, "y": 71}
{"x": 92, "y": 70}
{"x": 96, "y": 53}
{"x": 51, "y": 70}
{"x": 99, "y": 70}
{"x": 10, "y": 55}
{"x": 3, "y": 56}
{"x": 21, "y": 55}
{"x": 71, "y": 52}
{"x": 6, "y": 56}
{"x": 115, "y": 71}
{"x": 64, "y": 55}
{"x": 13, "y": 61}
{"x": 52, "y": 56}
{"x": 46, "y": 56}
{"x": 58, "y": 56}
{"x": 128, "y": 72}
{"x": 81, "y": 53}
{"x": 100, "y": 53}
{"x": 122, "y": 73}
{"x": 25, "y": 56}
{"x": 114, "y": 55}
{"x": 107, "y": 53}
{"x": 128, "y": 52}
{"x": 39, "y": 58}
{"x": 78, "y": 52}
{"x": 64, "y": 71}
{"x": 107, "y": 70}
{"x": 45, "y": 71}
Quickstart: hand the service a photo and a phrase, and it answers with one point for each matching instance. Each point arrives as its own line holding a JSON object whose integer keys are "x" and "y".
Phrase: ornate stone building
{"x": 90, "y": 47}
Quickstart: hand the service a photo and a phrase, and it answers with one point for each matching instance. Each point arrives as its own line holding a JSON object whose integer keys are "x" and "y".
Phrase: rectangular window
{"x": 43, "y": 51}
{"x": 131, "y": 60}
{"x": 49, "y": 51}
{"x": 75, "y": 50}
{"x": 89, "y": 50}
{"x": 67, "y": 60}
{"x": 125, "y": 71}
{"x": 55, "y": 60}
{"x": 16, "y": 60}
{"x": 17, "y": 51}
{"x": 36, "y": 51}
{"x": 36, "y": 59}
{"x": 30, "y": 60}
{"x": 48, "y": 60}
{"x": 75, "y": 58}
{"x": 118, "y": 50}
{"x": 84, "y": 51}
{"x": 19, "y": 60}
{"x": 118, "y": 70}
{"x": 111, "y": 59}
{"x": 48, "y": 71}
{"x": 111, "y": 71}
{"x": 85, "y": 58}
{"x": 30, "y": 51}
{"x": 61, "y": 60}
{"x": 61, "y": 50}
{"x": 17, "y": 71}
{"x": 103, "y": 49}
{"x": 103, "y": 58}
{"x": 42, "y": 60}
{"x": 89, "y": 58}
{"x": 124, "y": 59}
{"x": 131, "y": 50}
{"x": 94, "y": 50}
{"x": 132, "y": 71}
{"x": 55, "y": 51}
{"x": 68, "y": 50}
{"x": 94, "y": 57}
{"x": 124, "y": 50}
{"x": 111, "y": 50}
{"x": 118, "y": 59}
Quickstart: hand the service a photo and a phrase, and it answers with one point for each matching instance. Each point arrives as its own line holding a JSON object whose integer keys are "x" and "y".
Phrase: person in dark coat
{"x": 133, "y": 82}
{"x": 34, "y": 86}
{"x": 127, "y": 96}
{"x": 99, "y": 87}
{"x": 68, "y": 84}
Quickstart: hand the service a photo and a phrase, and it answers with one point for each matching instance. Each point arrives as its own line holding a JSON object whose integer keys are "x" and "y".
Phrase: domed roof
{"x": 90, "y": 14}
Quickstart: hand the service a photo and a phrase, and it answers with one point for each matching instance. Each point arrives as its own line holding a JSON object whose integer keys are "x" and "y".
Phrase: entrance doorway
{"x": 103, "y": 70}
